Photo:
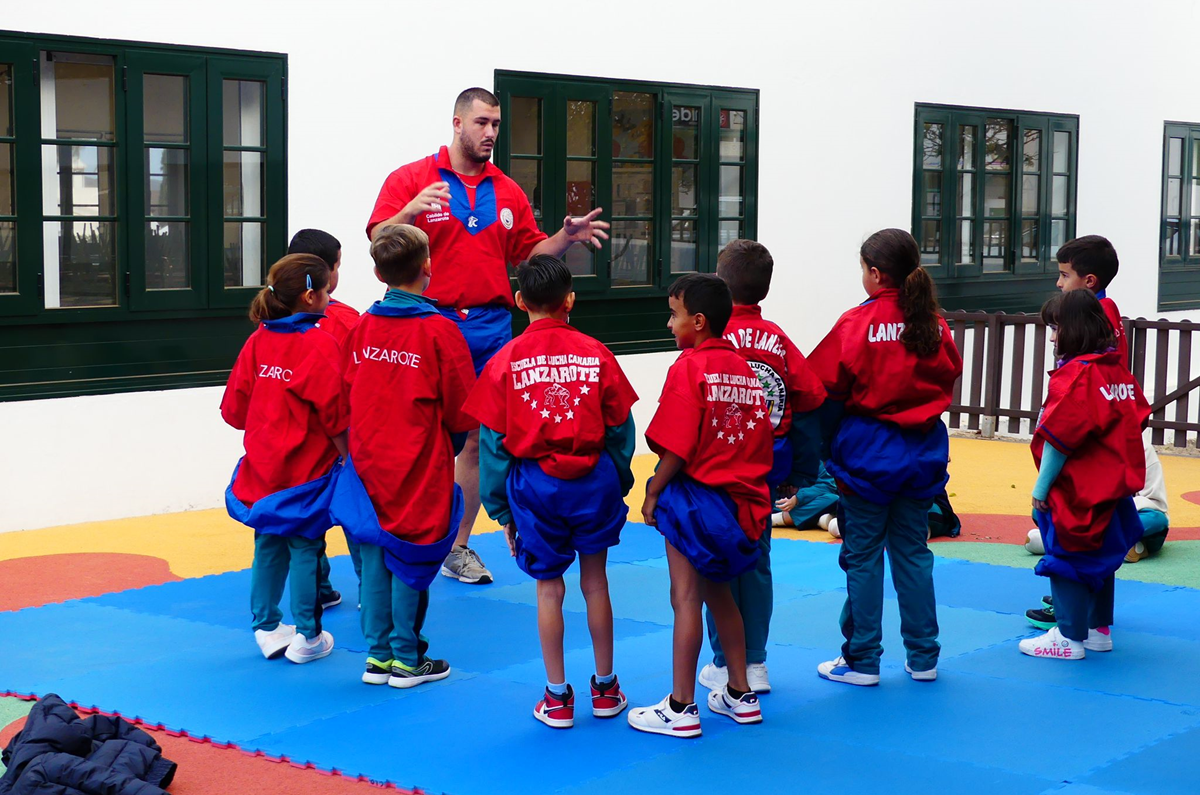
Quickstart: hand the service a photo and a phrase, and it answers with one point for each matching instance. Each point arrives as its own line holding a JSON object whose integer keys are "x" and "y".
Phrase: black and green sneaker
{"x": 1048, "y": 602}
{"x": 428, "y": 671}
{"x": 378, "y": 671}
{"x": 1042, "y": 618}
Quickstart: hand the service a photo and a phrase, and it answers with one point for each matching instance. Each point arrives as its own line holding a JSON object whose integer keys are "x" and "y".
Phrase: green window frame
{"x": 132, "y": 193}
{"x": 1179, "y": 235}
{"x": 994, "y": 196}
{"x": 675, "y": 168}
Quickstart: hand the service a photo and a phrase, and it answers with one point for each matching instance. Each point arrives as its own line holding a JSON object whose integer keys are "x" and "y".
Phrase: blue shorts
{"x": 556, "y": 518}
{"x": 701, "y": 522}
{"x": 486, "y": 329}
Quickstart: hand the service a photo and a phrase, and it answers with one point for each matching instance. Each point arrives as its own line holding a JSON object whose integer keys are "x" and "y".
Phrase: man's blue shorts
{"x": 486, "y": 329}
{"x": 701, "y": 522}
{"x": 556, "y": 518}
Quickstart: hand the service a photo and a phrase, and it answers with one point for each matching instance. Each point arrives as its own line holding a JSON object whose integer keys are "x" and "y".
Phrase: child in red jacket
{"x": 285, "y": 392}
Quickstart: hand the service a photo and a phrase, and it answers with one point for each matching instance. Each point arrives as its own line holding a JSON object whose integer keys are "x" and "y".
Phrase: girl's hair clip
{"x": 271, "y": 287}
{"x": 308, "y": 280}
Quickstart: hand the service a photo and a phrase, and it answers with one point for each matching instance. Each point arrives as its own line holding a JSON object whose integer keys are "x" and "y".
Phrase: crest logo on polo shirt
{"x": 506, "y": 218}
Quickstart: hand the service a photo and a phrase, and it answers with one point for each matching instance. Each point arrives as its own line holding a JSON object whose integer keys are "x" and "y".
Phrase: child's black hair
{"x": 1082, "y": 327}
{"x": 1091, "y": 255}
{"x": 746, "y": 267}
{"x": 316, "y": 241}
{"x": 705, "y": 294}
{"x": 544, "y": 282}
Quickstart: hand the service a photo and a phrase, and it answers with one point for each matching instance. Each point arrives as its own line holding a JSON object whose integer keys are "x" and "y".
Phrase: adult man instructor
{"x": 479, "y": 221}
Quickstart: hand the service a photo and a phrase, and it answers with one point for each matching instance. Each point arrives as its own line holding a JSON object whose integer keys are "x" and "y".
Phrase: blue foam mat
{"x": 971, "y": 729}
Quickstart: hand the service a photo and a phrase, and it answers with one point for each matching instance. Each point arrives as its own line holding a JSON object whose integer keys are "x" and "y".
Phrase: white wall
{"x": 371, "y": 85}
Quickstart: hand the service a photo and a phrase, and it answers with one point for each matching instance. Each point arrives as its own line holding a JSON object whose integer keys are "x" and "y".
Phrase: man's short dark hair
{"x": 544, "y": 282}
{"x": 463, "y": 103}
{"x": 316, "y": 241}
{"x": 705, "y": 294}
{"x": 1091, "y": 254}
{"x": 746, "y": 267}
{"x": 399, "y": 251}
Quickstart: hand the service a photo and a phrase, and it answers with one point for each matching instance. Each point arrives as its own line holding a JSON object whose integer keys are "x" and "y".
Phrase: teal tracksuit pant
{"x": 326, "y": 588}
{"x": 392, "y": 612}
{"x": 900, "y": 527}
{"x": 293, "y": 560}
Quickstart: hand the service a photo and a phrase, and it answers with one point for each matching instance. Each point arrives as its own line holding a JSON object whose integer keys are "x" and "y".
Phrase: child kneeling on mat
{"x": 1088, "y": 449}
{"x": 708, "y": 498}
{"x": 285, "y": 392}
{"x": 407, "y": 371}
{"x": 555, "y": 444}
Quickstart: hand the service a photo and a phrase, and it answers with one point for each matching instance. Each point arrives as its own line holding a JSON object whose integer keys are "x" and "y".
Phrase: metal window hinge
{"x": 128, "y": 284}
{"x": 124, "y": 78}
{"x": 283, "y": 88}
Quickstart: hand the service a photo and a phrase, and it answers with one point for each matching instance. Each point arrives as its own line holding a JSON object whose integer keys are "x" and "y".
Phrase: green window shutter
{"x": 20, "y": 186}
{"x": 1179, "y": 228}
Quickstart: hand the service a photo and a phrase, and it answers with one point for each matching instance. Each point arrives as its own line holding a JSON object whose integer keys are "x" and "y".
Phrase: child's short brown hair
{"x": 399, "y": 251}
{"x": 746, "y": 266}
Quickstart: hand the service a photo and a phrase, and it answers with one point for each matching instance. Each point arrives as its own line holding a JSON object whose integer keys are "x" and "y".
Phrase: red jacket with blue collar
{"x": 339, "y": 320}
{"x": 472, "y": 241}
{"x": 1114, "y": 318}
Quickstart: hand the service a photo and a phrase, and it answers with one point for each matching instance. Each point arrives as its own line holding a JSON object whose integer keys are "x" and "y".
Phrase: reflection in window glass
{"x": 84, "y": 254}
{"x": 683, "y": 190}
{"x": 997, "y": 134}
{"x": 166, "y": 181}
{"x": 683, "y": 247}
{"x": 733, "y": 134}
{"x": 728, "y": 232}
{"x": 526, "y": 126}
{"x": 83, "y": 180}
{"x": 167, "y": 255}
{"x": 6, "y": 99}
{"x": 730, "y": 200}
{"x": 1032, "y": 160}
{"x": 7, "y": 202}
{"x": 631, "y": 252}
{"x": 931, "y": 146}
{"x": 244, "y": 172}
{"x": 8, "y": 256}
{"x": 243, "y": 116}
{"x": 685, "y": 130}
{"x": 165, "y": 109}
{"x": 528, "y": 174}
{"x": 633, "y": 125}
{"x": 80, "y": 90}
{"x": 581, "y": 187}
{"x": 1062, "y": 152}
{"x": 243, "y": 254}
{"x": 1175, "y": 157}
{"x": 581, "y": 128}
{"x": 633, "y": 189}
{"x": 933, "y": 193}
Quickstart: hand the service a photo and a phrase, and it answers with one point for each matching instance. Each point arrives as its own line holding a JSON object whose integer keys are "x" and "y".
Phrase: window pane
{"x": 1058, "y": 197}
{"x": 1196, "y": 159}
{"x": 966, "y": 196}
{"x": 243, "y": 254}
{"x": 1062, "y": 152}
{"x": 1173, "y": 189}
{"x": 727, "y": 232}
{"x": 931, "y": 235}
{"x": 630, "y": 252}
{"x": 932, "y": 147}
{"x": 1029, "y": 239}
{"x": 167, "y": 255}
{"x": 933, "y": 193}
{"x": 731, "y": 191}
{"x": 966, "y": 241}
{"x": 683, "y": 190}
{"x": 1171, "y": 244}
{"x": 633, "y": 189}
{"x": 526, "y": 126}
{"x": 1030, "y": 184}
{"x": 1195, "y": 209}
{"x": 6, "y": 99}
{"x": 1032, "y": 160}
{"x": 243, "y": 116}
{"x": 966, "y": 148}
{"x": 1058, "y": 235}
{"x": 733, "y": 135}
{"x": 528, "y": 174}
{"x": 1195, "y": 240}
{"x": 8, "y": 256}
{"x": 633, "y": 125}
{"x": 683, "y": 247}
{"x": 243, "y": 183}
{"x": 165, "y": 113}
{"x": 997, "y": 137}
{"x": 81, "y": 180}
{"x": 1175, "y": 157}
{"x": 995, "y": 246}
{"x": 581, "y": 260}
{"x": 6, "y": 180}
{"x": 685, "y": 126}
{"x": 167, "y": 181}
{"x": 581, "y": 187}
{"x": 80, "y": 89}
{"x": 83, "y": 258}
{"x": 581, "y": 128}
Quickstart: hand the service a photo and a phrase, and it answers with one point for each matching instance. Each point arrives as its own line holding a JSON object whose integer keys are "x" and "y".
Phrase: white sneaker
{"x": 661, "y": 719}
{"x": 1099, "y": 639}
{"x": 756, "y": 676}
{"x": 833, "y": 528}
{"x": 838, "y": 671}
{"x": 302, "y": 650}
{"x": 714, "y": 677}
{"x": 743, "y": 710}
{"x": 921, "y": 676}
{"x": 824, "y": 521}
{"x": 1033, "y": 542}
{"x": 274, "y": 643}
{"x": 777, "y": 520}
{"x": 1052, "y": 646}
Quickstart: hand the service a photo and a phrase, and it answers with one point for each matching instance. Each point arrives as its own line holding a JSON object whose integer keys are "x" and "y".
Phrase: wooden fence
{"x": 1006, "y": 358}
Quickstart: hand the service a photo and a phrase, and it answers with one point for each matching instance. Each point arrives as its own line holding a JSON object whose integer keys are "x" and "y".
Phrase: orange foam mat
{"x": 44, "y": 579}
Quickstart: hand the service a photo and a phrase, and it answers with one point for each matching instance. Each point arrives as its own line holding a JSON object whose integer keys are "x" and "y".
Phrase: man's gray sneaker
{"x": 464, "y": 565}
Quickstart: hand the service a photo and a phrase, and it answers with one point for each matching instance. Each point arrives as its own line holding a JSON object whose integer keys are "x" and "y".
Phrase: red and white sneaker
{"x": 1099, "y": 639}
{"x": 557, "y": 712}
{"x": 1052, "y": 646}
{"x": 742, "y": 710}
{"x": 607, "y": 700}
{"x": 661, "y": 719}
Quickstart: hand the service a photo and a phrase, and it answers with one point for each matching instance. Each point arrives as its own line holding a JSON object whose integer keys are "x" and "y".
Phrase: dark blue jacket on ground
{"x": 57, "y": 753}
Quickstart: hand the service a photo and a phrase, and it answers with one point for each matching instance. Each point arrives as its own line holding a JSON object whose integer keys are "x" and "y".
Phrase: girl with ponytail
{"x": 889, "y": 366}
{"x": 285, "y": 392}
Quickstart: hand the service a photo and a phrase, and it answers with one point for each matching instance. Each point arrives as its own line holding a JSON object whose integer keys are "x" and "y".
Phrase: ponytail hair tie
{"x": 271, "y": 287}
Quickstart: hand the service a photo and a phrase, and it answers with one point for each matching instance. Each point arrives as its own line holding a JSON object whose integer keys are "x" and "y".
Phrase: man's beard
{"x": 475, "y": 154}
